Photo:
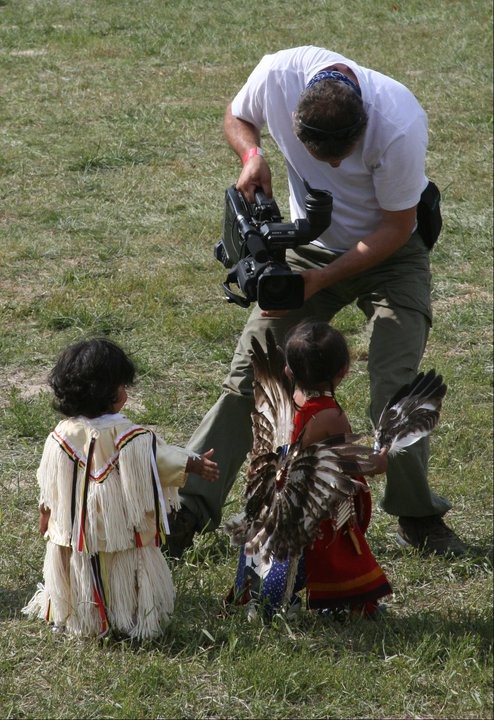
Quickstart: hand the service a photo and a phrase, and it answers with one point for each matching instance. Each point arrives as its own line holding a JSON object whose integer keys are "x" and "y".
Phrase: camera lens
{"x": 280, "y": 289}
{"x": 276, "y": 288}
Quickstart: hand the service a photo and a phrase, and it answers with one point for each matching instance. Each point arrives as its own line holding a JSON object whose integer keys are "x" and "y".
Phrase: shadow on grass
{"x": 12, "y": 601}
{"x": 428, "y": 634}
{"x": 202, "y": 624}
{"x": 479, "y": 554}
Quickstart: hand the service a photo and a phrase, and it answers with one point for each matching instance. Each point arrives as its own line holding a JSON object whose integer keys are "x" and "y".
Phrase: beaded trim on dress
{"x": 309, "y": 394}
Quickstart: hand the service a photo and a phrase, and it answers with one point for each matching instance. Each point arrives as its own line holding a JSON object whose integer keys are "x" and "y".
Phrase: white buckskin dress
{"x": 109, "y": 485}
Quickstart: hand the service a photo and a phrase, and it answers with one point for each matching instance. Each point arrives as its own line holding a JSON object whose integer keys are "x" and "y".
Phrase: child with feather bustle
{"x": 338, "y": 570}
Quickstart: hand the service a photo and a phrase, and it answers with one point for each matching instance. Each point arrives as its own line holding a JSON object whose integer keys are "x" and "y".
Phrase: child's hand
{"x": 44, "y": 516}
{"x": 203, "y": 465}
{"x": 380, "y": 461}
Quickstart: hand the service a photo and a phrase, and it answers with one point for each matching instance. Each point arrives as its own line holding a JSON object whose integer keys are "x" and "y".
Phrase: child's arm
{"x": 380, "y": 461}
{"x": 44, "y": 516}
{"x": 324, "y": 424}
{"x": 175, "y": 462}
{"x": 202, "y": 465}
{"x": 333, "y": 422}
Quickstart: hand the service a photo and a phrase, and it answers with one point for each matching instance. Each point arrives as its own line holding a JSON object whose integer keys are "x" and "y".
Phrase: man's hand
{"x": 313, "y": 282}
{"x": 255, "y": 174}
{"x": 242, "y": 136}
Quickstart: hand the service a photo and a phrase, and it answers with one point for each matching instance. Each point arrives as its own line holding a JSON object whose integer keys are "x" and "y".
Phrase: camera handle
{"x": 230, "y": 295}
{"x": 265, "y": 208}
{"x": 256, "y": 245}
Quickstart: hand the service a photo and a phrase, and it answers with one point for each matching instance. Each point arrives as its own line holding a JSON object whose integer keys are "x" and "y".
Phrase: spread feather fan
{"x": 290, "y": 490}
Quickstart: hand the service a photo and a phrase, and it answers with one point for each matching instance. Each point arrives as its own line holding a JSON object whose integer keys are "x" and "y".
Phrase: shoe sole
{"x": 457, "y": 553}
{"x": 402, "y": 542}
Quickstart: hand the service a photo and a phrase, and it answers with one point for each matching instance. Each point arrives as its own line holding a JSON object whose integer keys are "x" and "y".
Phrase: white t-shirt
{"x": 386, "y": 170}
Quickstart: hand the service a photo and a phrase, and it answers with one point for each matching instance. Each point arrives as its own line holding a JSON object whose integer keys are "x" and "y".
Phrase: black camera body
{"x": 254, "y": 245}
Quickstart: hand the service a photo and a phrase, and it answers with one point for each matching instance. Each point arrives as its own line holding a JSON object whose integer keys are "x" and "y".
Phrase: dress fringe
{"x": 139, "y": 592}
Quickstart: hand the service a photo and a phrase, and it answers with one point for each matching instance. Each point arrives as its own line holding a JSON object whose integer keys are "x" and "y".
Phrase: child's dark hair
{"x": 87, "y": 376}
{"x": 316, "y": 353}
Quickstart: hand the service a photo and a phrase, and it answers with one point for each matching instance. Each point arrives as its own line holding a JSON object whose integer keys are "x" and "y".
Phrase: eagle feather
{"x": 412, "y": 413}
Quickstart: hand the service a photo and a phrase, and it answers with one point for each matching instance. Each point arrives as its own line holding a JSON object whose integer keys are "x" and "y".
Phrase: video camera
{"x": 254, "y": 245}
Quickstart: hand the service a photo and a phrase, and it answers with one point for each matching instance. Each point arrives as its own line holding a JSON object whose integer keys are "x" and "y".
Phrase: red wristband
{"x": 251, "y": 152}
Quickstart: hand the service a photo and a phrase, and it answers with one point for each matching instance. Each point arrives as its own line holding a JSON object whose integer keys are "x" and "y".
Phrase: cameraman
{"x": 362, "y": 136}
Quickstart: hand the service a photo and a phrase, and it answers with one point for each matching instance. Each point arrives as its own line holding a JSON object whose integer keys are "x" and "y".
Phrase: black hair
{"x": 330, "y": 119}
{"x": 315, "y": 353}
{"x": 87, "y": 376}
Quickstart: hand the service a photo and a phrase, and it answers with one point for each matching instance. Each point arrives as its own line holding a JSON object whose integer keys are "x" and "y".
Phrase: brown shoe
{"x": 183, "y": 526}
{"x": 430, "y": 535}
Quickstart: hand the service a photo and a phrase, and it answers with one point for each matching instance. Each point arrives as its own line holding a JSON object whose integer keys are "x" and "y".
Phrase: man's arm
{"x": 393, "y": 232}
{"x": 242, "y": 136}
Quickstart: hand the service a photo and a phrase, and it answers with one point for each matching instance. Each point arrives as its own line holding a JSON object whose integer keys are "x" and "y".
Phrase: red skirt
{"x": 341, "y": 570}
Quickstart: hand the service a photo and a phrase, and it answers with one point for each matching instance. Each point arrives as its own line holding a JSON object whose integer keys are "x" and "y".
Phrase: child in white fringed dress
{"x": 106, "y": 486}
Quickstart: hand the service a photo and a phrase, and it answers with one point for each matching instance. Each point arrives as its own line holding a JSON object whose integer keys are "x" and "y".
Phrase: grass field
{"x": 113, "y": 169}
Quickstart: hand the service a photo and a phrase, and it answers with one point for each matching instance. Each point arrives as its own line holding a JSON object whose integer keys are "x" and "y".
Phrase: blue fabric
{"x": 333, "y": 75}
{"x": 267, "y": 591}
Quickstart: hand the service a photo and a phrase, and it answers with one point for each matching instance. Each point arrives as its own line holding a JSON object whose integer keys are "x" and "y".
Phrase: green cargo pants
{"x": 395, "y": 298}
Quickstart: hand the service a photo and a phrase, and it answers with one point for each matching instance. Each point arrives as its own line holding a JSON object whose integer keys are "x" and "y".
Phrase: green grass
{"x": 113, "y": 168}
